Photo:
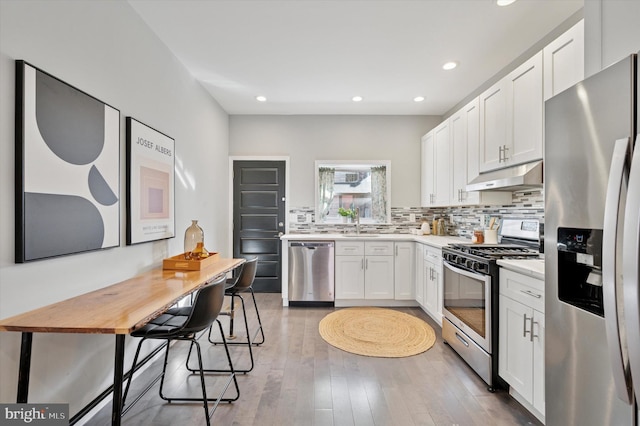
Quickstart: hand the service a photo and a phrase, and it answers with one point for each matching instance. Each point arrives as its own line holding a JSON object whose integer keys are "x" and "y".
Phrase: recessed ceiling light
{"x": 504, "y": 2}
{"x": 449, "y": 65}
{"x": 356, "y": 98}
{"x": 418, "y": 99}
{"x": 261, "y": 99}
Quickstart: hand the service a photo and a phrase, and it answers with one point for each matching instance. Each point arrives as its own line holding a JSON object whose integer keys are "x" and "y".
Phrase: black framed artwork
{"x": 67, "y": 168}
{"x": 150, "y": 183}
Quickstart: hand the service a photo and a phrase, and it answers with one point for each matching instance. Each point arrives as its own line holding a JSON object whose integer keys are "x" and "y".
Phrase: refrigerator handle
{"x": 617, "y": 178}
{"x": 631, "y": 266}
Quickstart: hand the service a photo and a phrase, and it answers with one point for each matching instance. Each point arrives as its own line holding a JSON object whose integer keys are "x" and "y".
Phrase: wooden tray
{"x": 179, "y": 263}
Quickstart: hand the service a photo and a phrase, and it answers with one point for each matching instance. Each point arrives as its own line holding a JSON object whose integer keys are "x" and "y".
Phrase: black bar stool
{"x": 183, "y": 324}
{"x": 241, "y": 284}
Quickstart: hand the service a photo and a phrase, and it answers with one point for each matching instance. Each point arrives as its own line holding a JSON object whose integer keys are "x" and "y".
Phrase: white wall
{"x": 306, "y": 138}
{"x": 106, "y": 50}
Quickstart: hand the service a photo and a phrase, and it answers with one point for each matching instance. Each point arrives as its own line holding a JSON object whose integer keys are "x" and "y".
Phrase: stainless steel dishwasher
{"x": 311, "y": 273}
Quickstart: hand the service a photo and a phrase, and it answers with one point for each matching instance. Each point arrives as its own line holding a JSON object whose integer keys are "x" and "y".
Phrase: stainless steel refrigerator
{"x": 592, "y": 233}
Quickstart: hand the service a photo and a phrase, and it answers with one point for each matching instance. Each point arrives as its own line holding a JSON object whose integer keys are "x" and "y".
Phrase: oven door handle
{"x": 476, "y": 276}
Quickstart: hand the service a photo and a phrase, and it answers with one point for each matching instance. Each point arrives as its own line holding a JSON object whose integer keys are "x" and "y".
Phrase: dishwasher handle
{"x": 312, "y": 245}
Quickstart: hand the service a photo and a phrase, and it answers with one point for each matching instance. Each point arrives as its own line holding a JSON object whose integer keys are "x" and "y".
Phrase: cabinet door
{"x": 493, "y": 126}
{"x": 458, "y": 129}
{"x": 472, "y": 132}
{"x": 378, "y": 281}
{"x": 431, "y": 288}
{"x": 404, "y": 271}
{"x": 427, "y": 181}
{"x": 538, "y": 362}
{"x": 419, "y": 289}
{"x": 516, "y": 355}
{"x": 525, "y": 110}
{"x": 564, "y": 61}
{"x": 349, "y": 277}
{"x": 441, "y": 164}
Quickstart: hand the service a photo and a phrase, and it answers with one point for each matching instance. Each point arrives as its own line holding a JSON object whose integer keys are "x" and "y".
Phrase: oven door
{"x": 467, "y": 303}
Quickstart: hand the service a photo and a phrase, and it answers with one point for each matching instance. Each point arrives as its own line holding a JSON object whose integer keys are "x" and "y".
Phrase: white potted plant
{"x": 347, "y": 214}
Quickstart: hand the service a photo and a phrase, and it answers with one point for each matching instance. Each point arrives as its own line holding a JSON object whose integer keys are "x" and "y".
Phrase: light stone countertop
{"x": 432, "y": 240}
{"x": 531, "y": 267}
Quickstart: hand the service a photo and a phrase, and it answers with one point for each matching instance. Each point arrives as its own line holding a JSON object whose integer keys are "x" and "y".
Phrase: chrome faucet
{"x": 358, "y": 220}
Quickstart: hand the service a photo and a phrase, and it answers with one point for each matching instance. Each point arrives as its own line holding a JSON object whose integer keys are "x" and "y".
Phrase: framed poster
{"x": 67, "y": 168}
{"x": 150, "y": 184}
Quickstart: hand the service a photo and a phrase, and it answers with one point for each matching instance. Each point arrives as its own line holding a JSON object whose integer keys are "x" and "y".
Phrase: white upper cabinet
{"x": 441, "y": 156}
{"x": 464, "y": 127}
{"x": 435, "y": 182}
{"x": 564, "y": 61}
{"x": 511, "y": 118}
{"x": 493, "y": 126}
{"x": 459, "y": 149}
{"x": 525, "y": 112}
{"x": 427, "y": 173}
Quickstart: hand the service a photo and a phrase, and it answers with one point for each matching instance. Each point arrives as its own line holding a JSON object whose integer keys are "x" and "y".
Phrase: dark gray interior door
{"x": 258, "y": 218}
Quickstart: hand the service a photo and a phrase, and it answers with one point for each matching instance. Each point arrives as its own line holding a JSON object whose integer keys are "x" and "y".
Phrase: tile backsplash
{"x": 459, "y": 221}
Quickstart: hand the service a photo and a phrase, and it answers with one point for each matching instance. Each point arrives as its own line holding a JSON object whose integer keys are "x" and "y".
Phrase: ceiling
{"x": 313, "y": 56}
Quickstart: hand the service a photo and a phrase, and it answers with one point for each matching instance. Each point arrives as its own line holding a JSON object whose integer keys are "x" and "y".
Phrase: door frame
{"x": 233, "y": 158}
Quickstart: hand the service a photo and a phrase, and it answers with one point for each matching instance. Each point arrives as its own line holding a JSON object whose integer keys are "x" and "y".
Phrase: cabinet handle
{"x": 362, "y": 264}
{"x": 531, "y": 336}
{"x": 500, "y": 148}
{"x": 504, "y": 153}
{"x": 530, "y": 293}
{"x": 524, "y": 326}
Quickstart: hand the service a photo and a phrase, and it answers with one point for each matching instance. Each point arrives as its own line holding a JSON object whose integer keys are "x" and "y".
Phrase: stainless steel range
{"x": 470, "y": 324}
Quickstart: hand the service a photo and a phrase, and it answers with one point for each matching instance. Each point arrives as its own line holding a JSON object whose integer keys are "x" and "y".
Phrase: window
{"x": 350, "y": 185}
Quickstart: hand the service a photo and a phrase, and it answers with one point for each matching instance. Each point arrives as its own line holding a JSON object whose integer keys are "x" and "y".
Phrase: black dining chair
{"x": 184, "y": 323}
{"x": 242, "y": 283}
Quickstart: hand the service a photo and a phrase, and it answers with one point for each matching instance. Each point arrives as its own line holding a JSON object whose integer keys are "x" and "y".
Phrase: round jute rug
{"x": 377, "y": 332}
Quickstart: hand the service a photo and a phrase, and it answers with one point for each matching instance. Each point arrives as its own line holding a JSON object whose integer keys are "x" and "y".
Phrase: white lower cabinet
{"x": 404, "y": 270}
{"x": 349, "y": 277}
{"x": 420, "y": 281}
{"x": 521, "y": 339}
{"x": 433, "y": 279}
{"x": 429, "y": 280}
{"x": 364, "y": 270}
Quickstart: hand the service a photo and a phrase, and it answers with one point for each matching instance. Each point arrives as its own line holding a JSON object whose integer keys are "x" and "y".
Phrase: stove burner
{"x": 494, "y": 251}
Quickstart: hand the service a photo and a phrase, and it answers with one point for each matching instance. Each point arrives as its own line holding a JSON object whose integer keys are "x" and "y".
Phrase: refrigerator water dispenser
{"x": 580, "y": 268}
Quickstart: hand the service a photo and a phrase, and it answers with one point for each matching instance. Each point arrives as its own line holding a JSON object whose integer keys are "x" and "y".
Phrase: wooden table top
{"x": 119, "y": 308}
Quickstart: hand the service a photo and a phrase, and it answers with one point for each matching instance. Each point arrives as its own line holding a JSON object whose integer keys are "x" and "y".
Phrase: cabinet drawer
{"x": 349, "y": 248}
{"x": 522, "y": 288}
{"x": 378, "y": 248}
{"x": 433, "y": 255}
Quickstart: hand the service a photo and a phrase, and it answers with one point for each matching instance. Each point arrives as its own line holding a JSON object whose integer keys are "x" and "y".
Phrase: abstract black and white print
{"x": 67, "y": 155}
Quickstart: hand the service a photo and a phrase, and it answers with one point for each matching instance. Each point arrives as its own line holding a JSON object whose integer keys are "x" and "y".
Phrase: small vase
{"x": 344, "y": 219}
{"x": 199, "y": 252}
{"x": 192, "y": 236}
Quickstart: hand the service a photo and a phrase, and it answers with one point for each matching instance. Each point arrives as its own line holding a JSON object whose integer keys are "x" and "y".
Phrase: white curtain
{"x": 326, "y": 176}
{"x": 379, "y": 193}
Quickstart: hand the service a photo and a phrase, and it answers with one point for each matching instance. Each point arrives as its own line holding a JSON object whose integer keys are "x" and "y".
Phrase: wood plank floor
{"x": 299, "y": 379}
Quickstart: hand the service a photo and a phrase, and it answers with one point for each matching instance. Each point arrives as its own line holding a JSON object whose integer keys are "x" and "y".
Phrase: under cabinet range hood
{"x": 514, "y": 178}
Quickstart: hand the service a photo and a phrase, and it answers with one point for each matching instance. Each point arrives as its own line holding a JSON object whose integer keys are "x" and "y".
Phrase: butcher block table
{"x": 118, "y": 309}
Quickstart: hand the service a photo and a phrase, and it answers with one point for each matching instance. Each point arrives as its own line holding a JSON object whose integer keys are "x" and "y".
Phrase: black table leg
{"x": 24, "y": 370}
{"x": 118, "y": 372}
